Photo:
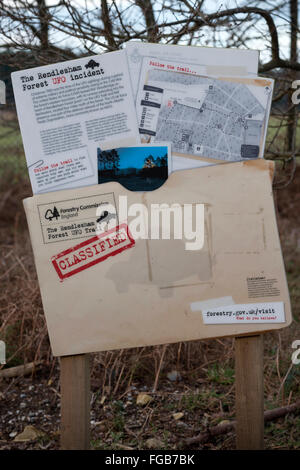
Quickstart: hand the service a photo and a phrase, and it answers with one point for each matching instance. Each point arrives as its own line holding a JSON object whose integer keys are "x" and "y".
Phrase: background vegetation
{"x": 195, "y": 378}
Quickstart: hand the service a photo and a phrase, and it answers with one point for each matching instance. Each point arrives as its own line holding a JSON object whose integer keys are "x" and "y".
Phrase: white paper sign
{"x": 214, "y": 60}
{"x": 271, "y": 312}
{"x": 65, "y": 108}
{"x": 211, "y": 117}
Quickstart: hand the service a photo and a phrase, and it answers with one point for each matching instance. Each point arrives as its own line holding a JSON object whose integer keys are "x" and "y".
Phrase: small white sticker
{"x": 271, "y": 312}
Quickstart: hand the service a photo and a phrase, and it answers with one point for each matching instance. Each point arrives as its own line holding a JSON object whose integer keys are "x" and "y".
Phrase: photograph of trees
{"x": 136, "y": 168}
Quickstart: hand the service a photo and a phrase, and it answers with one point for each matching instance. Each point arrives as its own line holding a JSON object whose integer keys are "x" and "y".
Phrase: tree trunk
{"x": 292, "y": 117}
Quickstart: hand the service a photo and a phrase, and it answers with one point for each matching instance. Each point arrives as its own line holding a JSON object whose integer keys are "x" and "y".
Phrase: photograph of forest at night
{"x": 140, "y": 168}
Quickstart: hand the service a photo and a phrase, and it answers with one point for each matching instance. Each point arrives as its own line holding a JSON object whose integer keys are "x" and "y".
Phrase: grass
{"x": 118, "y": 421}
{"x": 192, "y": 401}
{"x": 205, "y": 393}
{"x": 12, "y": 157}
{"x": 10, "y": 137}
{"x": 220, "y": 375}
{"x": 276, "y": 135}
{"x": 12, "y": 347}
{"x": 12, "y": 152}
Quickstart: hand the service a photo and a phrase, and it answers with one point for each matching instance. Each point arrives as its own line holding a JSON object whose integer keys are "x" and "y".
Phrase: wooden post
{"x": 249, "y": 392}
{"x": 75, "y": 402}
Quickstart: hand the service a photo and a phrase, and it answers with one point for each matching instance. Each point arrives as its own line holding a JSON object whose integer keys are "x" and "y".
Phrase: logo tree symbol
{"x": 52, "y": 214}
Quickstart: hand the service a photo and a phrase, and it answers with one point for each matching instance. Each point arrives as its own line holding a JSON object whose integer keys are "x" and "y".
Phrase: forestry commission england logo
{"x": 2, "y": 352}
{"x": 51, "y": 214}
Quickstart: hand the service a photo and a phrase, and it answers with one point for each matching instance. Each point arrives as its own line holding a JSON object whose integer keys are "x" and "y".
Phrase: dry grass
{"x": 206, "y": 390}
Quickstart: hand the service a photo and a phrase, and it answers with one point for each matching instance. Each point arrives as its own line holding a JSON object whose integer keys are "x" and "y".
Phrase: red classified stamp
{"x": 92, "y": 251}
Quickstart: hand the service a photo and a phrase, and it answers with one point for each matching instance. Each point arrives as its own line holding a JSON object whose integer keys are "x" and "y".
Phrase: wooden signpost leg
{"x": 75, "y": 402}
{"x": 249, "y": 392}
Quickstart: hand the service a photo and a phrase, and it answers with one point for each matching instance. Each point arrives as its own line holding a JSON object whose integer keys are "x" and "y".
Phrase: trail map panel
{"x": 212, "y": 117}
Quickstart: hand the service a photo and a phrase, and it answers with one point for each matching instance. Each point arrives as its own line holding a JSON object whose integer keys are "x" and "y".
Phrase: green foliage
{"x": 220, "y": 374}
{"x": 12, "y": 159}
{"x": 118, "y": 421}
{"x": 292, "y": 381}
{"x": 192, "y": 401}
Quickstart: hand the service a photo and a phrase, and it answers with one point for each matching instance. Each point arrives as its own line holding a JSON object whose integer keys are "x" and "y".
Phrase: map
{"x": 218, "y": 118}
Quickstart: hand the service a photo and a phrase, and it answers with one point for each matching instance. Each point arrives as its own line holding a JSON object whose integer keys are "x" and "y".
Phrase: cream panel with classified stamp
{"x": 126, "y": 280}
